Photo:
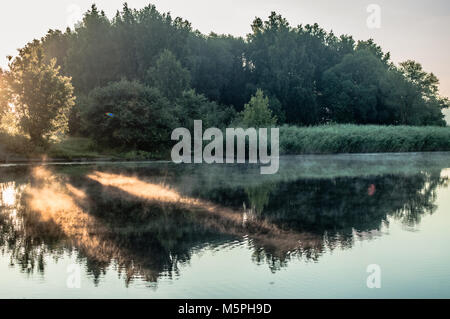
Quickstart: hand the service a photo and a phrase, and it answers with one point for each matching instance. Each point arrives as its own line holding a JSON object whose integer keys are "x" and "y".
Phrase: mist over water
{"x": 165, "y": 230}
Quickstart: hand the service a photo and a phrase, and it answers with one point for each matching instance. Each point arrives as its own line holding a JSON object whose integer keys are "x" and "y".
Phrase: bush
{"x": 130, "y": 115}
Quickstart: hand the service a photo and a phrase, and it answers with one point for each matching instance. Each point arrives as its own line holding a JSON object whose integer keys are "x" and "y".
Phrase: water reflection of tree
{"x": 147, "y": 239}
{"x": 340, "y": 204}
{"x": 142, "y": 239}
{"x": 25, "y": 238}
{"x": 336, "y": 209}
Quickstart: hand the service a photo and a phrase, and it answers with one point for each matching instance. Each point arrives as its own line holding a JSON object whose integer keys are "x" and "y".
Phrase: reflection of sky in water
{"x": 411, "y": 250}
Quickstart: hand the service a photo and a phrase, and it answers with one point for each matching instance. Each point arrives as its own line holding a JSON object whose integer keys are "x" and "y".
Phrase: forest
{"x": 125, "y": 83}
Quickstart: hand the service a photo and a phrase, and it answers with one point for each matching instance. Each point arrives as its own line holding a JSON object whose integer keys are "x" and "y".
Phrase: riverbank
{"x": 325, "y": 139}
{"x": 18, "y": 149}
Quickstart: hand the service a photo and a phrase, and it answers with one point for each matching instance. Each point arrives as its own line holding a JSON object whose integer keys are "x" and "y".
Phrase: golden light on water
{"x": 223, "y": 219}
{"x": 138, "y": 188}
{"x": 64, "y": 205}
{"x": 58, "y": 202}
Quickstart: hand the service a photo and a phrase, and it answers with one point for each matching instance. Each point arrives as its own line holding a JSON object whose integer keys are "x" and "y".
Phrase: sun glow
{"x": 8, "y": 195}
{"x": 56, "y": 202}
{"x": 12, "y": 107}
{"x": 9, "y": 121}
{"x": 63, "y": 204}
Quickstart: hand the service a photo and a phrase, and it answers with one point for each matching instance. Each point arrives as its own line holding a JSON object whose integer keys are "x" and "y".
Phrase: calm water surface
{"x": 160, "y": 230}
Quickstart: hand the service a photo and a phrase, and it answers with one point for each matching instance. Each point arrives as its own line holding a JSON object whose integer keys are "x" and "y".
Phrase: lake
{"x": 315, "y": 229}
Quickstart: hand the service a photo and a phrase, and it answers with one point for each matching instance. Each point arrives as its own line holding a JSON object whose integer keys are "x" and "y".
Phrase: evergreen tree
{"x": 257, "y": 113}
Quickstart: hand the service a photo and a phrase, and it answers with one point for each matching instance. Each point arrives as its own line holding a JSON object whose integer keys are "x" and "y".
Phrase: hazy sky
{"x": 410, "y": 29}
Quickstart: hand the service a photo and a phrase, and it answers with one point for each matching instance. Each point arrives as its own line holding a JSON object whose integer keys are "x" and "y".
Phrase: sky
{"x": 409, "y": 29}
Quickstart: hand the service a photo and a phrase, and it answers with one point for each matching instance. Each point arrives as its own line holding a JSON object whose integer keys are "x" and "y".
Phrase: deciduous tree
{"x": 42, "y": 98}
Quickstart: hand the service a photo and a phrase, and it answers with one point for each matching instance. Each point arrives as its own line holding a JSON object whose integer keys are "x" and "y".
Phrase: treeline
{"x": 141, "y": 73}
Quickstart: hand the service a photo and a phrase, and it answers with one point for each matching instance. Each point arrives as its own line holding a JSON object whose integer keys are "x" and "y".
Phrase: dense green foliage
{"x": 310, "y": 76}
{"x": 192, "y": 106}
{"x": 41, "y": 97}
{"x": 349, "y": 138}
{"x": 151, "y": 72}
{"x": 169, "y": 76}
{"x": 129, "y": 113}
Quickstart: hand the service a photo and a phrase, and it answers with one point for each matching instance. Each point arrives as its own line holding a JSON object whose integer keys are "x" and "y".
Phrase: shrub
{"x": 129, "y": 114}
{"x": 257, "y": 112}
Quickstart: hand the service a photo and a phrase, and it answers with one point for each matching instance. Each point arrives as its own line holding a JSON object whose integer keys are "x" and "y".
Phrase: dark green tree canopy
{"x": 169, "y": 76}
{"x": 353, "y": 91}
{"x": 129, "y": 114}
{"x": 310, "y": 75}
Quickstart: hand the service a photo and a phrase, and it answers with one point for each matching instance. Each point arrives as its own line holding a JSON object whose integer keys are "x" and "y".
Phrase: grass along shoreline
{"x": 325, "y": 139}
{"x": 348, "y": 138}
